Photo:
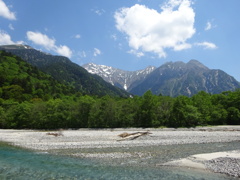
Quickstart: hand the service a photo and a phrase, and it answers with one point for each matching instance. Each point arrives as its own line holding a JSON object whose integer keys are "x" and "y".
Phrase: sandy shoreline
{"x": 108, "y": 138}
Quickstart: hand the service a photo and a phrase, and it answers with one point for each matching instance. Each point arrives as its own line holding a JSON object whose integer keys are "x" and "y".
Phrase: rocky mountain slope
{"x": 179, "y": 78}
{"x": 172, "y": 79}
{"x": 117, "y": 77}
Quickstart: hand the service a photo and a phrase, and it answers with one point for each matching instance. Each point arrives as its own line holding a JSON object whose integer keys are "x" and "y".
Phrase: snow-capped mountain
{"x": 170, "y": 79}
{"x": 117, "y": 77}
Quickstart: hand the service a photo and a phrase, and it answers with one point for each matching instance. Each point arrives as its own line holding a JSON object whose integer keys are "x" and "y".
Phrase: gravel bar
{"x": 226, "y": 165}
{"x": 109, "y": 138}
{"x": 89, "y": 138}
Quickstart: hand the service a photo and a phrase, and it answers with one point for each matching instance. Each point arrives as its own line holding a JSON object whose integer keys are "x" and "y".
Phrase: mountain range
{"x": 65, "y": 71}
{"x": 171, "y": 79}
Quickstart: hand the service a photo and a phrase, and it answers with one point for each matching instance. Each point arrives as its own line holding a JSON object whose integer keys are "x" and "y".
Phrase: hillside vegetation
{"x": 22, "y": 82}
{"x": 32, "y": 99}
{"x": 65, "y": 71}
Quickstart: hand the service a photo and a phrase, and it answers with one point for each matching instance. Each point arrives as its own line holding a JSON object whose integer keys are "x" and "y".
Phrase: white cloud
{"x": 99, "y": 12}
{"x": 207, "y": 45}
{"x": 182, "y": 46}
{"x": 77, "y": 36}
{"x": 208, "y": 26}
{"x": 64, "y": 51}
{"x": 96, "y": 52}
{"x": 5, "y": 39}
{"x": 41, "y": 39}
{"x": 136, "y": 53}
{"x": 5, "y": 12}
{"x": 83, "y": 54}
{"x": 48, "y": 43}
{"x": 11, "y": 26}
{"x": 153, "y": 31}
{"x": 114, "y": 37}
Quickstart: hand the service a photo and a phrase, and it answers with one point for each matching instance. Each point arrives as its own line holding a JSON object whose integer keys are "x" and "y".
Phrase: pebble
{"x": 225, "y": 165}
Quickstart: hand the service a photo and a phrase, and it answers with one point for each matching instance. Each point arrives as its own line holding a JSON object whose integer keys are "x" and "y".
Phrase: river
{"x": 21, "y": 164}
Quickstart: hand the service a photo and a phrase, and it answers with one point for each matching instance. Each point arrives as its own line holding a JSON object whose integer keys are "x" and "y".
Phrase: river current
{"x": 22, "y": 164}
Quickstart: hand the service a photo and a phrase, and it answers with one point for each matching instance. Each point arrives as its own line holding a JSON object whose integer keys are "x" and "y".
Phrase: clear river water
{"x": 22, "y": 164}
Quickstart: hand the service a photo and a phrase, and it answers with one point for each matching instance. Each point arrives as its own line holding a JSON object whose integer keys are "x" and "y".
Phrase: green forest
{"x": 31, "y": 99}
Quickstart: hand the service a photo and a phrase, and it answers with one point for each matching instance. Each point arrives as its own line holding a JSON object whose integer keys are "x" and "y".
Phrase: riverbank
{"x": 218, "y": 162}
{"x": 107, "y": 144}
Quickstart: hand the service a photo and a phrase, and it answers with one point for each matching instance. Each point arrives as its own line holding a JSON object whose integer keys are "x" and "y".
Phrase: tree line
{"x": 32, "y": 99}
{"x": 112, "y": 112}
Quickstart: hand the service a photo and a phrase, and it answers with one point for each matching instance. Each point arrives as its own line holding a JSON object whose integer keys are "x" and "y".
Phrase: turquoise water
{"x": 20, "y": 164}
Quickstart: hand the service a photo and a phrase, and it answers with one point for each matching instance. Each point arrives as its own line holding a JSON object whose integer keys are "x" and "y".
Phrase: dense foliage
{"x": 21, "y": 82}
{"x": 108, "y": 112}
{"x": 66, "y": 72}
{"x": 31, "y": 99}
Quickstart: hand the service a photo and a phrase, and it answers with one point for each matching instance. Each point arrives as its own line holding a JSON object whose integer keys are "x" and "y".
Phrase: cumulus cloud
{"x": 5, "y": 12}
{"x": 5, "y": 39}
{"x": 41, "y": 39}
{"x": 96, "y": 52}
{"x": 64, "y": 51}
{"x": 148, "y": 30}
{"x": 207, "y": 45}
{"x": 48, "y": 43}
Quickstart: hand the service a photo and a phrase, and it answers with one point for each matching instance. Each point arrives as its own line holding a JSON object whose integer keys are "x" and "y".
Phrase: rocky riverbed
{"x": 147, "y": 149}
{"x": 226, "y": 165}
{"x": 219, "y": 162}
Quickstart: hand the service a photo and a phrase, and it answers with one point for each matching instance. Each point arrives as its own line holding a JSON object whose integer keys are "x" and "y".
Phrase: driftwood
{"x": 56, "y": 134}
{"x": 131, "y": 136}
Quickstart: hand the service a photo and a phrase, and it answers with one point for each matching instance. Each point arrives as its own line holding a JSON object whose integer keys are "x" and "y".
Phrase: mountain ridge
{"x": 179, "y": 78}
{"x": 171, "y": 79}
{"x": 117, "y": 77}
{"x": 65, "y": 71}
{"x": 21, "y": 81}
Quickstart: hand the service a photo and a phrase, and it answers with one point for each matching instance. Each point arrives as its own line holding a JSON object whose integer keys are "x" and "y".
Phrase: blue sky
{"x": 128, "y": 34}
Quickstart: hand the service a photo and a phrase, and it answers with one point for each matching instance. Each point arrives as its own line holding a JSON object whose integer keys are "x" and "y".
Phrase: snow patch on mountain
{"x": 118, "y": 77}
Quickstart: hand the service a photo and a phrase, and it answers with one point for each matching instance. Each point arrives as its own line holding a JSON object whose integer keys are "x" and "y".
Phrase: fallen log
{"x": 56, "y": 134}
{"x": 131, "y": 136}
